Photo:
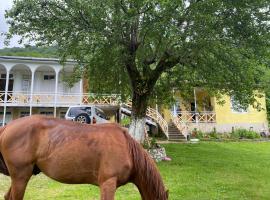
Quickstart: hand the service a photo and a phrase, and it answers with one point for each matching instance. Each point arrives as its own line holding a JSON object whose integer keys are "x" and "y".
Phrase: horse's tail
{"x": 3, "y": 166}
{"x": 145, "y": 174}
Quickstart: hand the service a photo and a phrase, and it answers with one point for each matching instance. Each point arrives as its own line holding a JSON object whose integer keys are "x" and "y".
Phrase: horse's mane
{"x": 146, "y": 175}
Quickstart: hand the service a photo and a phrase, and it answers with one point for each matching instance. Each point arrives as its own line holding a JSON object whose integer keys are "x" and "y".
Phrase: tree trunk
{"x": 138, "y": 116}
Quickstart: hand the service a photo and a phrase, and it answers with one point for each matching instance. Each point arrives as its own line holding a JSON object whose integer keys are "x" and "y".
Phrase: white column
{"x": 81, "y": 91}
{"x": 32, "y": 89}
{"x": 55, "y": 91}
{"x": 174, "y": 106}
{"x": 195, "y": 104}
{"x": 5, "y": 98}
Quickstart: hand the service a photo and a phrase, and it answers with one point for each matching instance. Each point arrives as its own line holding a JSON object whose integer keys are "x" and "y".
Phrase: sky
{"x": 4, "y": 5}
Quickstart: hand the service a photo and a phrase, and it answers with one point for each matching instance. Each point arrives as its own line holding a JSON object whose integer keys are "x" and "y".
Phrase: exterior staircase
{"x": 175, "y": 134}
{"x": 173, "y": 130}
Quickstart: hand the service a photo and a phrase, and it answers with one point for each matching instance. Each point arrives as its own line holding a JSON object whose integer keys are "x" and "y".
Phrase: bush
{"x": 243, "y": 133}
{"x": 125, "y": 121}
{"x": 197, "y": 134}
{"x": 214, "y": 135}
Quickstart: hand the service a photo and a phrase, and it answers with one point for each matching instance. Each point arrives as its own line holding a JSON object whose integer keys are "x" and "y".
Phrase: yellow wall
{"x": 166, "y": 112}
{"x": 225, "y": 115}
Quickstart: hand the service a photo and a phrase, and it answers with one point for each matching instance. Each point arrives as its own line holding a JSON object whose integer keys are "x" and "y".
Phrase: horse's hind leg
{"x": 108, "y": 188}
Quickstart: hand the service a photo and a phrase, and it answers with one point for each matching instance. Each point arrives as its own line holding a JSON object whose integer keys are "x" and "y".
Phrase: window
{"x": 62, "y": 115}
{"x": 77, "y": 110}
{"x": 100, "y": 113}
{"x": 237, "y": 107}
{"x": 4, "y": 76}
{"x": 49, "y": 77}
{"x": 7, "y": 113}
{"x": 48, "y": 113}
{"x": 24, "y": 114}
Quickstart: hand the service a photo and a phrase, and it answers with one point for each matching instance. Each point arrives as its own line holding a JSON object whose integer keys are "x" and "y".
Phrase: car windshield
{"x": 100, "y": 113}
{"x": 77, "y": 110}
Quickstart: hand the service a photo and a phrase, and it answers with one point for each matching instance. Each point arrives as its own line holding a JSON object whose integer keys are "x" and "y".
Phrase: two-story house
{"x": 35, "y": 86}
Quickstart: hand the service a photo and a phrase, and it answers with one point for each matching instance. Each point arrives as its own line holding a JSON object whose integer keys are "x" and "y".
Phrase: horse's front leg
{"x": 108, "y": 189}
{"x": 19, "y": 179}
{"x": 18, "y": 187}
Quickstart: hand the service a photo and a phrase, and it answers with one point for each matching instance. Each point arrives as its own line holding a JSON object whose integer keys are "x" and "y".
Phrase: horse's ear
{"x": 167, "y": 194}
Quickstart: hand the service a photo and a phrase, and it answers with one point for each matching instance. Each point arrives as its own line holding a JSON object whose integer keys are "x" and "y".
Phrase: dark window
{"x": 7, "y": 113}
{"x": 77, "y": 110}
{"x": 4, "y": 76}
{"x": 62, "y": 115}
{"x": 23, "y": 114}
{"x": 49, "y": 77}
{"x": 46, "y": 113}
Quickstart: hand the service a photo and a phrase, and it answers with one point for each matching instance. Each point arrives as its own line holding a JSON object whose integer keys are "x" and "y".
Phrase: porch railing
{"x": 58, "y": 99}
{"x": 196, "y": 117}
{"x": 184, "y": 119}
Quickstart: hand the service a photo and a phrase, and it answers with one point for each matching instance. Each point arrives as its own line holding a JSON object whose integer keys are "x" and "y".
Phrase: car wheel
{"x": 83, "y": 118}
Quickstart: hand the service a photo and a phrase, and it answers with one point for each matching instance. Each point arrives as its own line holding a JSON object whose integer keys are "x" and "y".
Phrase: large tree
{"x": 144, "y": 47}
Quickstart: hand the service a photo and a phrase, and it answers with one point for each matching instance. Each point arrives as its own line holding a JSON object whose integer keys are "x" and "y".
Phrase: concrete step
{"x": 175, "y": 131}
{"x": 178, "y": 140}
{"x": 176, "y": 135}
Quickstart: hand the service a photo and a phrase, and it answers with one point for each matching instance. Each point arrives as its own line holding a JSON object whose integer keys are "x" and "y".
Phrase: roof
{"x": 34, "y": 59}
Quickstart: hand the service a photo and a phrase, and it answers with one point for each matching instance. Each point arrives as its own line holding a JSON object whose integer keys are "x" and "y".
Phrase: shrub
{"x": 125, "y": 121}
{"x": 214, "y": 135}
{"x": 243, "y": 133}
{"x": 197, "y": 134}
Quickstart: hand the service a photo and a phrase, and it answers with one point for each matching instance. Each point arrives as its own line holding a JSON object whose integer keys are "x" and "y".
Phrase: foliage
{"x": 145, "y": 48}
{"x": 150, "y": 143}
{"x": 216, "y": 44}
{"x": 197, "y": 134}
{"x": 266, "y": 82}
{"x": 125, "y": 121}
{"x": 30, "y": 51}
{"x": 236, "y": 134}
{"x": 243, "y": 133}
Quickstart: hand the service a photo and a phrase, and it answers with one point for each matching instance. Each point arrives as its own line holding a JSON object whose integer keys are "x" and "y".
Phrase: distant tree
{"x": 30, "y": 51}
{"x": 146, "y": 47}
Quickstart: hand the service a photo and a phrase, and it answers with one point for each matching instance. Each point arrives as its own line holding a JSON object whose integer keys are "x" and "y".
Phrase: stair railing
{"x": 181, "y": 126}
{"x": 156, "y": 116}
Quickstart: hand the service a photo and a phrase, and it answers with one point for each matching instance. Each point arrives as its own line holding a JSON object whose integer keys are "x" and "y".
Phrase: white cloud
{"x": 5, "y": 5}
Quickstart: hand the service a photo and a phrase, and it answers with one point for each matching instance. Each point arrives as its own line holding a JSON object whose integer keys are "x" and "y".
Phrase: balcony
{"x": 56, "y": 100}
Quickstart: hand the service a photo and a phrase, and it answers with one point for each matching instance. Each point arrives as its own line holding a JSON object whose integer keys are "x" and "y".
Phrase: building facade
{"x": 36, "y": 86}
{"x": 206, "y": 114}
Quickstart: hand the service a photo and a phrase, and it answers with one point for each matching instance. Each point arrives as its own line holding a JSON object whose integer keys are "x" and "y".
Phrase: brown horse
{"x": 104, "y": 155}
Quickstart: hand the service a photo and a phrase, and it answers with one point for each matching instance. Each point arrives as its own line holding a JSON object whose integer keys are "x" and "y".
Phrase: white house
{"x": 35, "y": 86}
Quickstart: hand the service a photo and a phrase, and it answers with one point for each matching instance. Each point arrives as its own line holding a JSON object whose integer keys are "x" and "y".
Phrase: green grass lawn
{"x": 236, "y": 170}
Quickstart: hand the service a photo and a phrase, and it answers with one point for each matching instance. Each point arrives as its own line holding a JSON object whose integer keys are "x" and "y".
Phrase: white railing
{"x": 184, "y": 118}
{"x": 58, "y": 99}
{"x": 196, "y": 117}
{"x": 181, "y": 126}
{"x": 155, "y": 116}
